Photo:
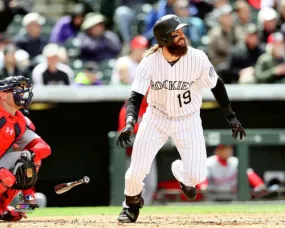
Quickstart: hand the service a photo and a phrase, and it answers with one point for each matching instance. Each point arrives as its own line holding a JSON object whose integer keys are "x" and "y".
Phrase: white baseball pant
{"x": 155, "y": 129}
{"x": 150, "y": 182}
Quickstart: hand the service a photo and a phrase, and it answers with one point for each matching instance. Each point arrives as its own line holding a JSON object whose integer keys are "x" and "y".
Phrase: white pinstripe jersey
{"x": 175, "y": 90}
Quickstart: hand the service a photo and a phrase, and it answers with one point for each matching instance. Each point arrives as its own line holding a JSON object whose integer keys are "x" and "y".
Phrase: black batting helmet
{"x": 163, "y": 28}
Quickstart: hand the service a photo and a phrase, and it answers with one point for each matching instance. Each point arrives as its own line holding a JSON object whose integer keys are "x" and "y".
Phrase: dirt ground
{"x": 152, "y": 221}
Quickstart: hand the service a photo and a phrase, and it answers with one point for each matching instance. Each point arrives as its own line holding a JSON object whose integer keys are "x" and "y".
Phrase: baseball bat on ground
{"x": 62, "y": 188}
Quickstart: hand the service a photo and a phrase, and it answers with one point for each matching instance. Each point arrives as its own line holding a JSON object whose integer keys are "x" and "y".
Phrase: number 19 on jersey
{"x": 185, "y": 98}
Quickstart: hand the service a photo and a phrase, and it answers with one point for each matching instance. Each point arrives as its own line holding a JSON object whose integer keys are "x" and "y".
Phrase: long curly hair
{"x": 152, "y": 50}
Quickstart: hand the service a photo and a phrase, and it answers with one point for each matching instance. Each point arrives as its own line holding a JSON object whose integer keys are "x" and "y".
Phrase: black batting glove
{"x": 125, "y": 135}
{"x": 236, "y": 126}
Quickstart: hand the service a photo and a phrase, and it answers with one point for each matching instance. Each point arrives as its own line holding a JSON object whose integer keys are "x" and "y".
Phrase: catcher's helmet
{"x": 163, "y": 28}
{"x": 21, "y": 88}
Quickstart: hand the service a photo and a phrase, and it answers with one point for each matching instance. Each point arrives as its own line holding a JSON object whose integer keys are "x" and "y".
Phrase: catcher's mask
{"x": 21, "y": 87}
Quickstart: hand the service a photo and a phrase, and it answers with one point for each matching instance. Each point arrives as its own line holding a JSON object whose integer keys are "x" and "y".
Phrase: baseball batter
{"x": 177, "y": 75}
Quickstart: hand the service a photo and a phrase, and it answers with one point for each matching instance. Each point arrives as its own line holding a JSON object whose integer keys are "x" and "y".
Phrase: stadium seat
{"x": 15, "y": 28}
{"x": 106, "y": 67}
{"x": 72, "y": 47}
{"x": 15, "y": 25}
{"x": 76, "y": 65}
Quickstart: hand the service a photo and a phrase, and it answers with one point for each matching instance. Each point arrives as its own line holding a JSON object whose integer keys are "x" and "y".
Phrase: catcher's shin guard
{"x": 11, "y": 215}
{"x": 7, "y": 180}
{"x": 7, "y": 198}
{"x": 8, "y": 213}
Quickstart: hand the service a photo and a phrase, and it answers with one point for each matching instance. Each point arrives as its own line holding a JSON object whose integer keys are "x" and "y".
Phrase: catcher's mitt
{"x": 25, "y": 171}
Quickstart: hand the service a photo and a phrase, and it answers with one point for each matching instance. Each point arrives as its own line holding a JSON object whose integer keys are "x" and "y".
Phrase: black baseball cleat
{"x": 189, "y": 192}
{"x": 129, "y": 215}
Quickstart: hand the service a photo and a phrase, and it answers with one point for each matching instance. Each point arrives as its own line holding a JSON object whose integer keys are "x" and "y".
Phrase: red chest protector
{"x": 11, "y": 129}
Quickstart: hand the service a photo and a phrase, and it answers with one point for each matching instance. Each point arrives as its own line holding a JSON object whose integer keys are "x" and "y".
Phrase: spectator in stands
{"x": 23, "y": 61}
{"x": 269, "y": 3}
{"x": 32, "y": 42}
{"x": 267, "y": 20}
{"x": 90, "y": 75}
{"x": 212, "y": 19}
{"x": 197, "y": 29}
{"x": 126, "y": 12}
{"x": 126, "y": 66}
{"x": 68, "y": 26}
{"x": 9, "y": 8}
{"x": 22, "y": 57}
{"x": 222, "y": 168}
{"x": 243, "y": 57}
{"x": 281, "y": 20}
{"x": 203, "y": 7}
{"x": 10, "y": 63}
{"x": 221, "y": 37}
{"x": 52, "y": 71}
{"x": 97, "y": 44}
{"x": 270, "y": 67}
{"x": 162, "y": 8}
{"x": 5, "y": 39}
{"x": 63, "y": 55}
{"x": 6, "y": 15}
{"x": 243, "y": 18}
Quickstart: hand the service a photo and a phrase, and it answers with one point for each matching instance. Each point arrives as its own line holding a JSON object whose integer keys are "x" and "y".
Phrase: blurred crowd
{"x": 243, "y": 39}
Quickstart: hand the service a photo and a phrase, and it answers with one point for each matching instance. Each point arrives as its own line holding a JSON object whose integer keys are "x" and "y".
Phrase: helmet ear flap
{"x": 164, "y": 41}
{"x": 167, "y": 40}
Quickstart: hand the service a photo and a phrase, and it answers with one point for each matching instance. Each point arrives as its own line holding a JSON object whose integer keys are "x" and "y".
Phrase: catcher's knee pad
{"x": 135, "y": 201}
{"x": 7, "y": 180}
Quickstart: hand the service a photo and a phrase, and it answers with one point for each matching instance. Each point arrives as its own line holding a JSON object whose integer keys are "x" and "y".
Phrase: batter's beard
{"x": 178, "y": 50}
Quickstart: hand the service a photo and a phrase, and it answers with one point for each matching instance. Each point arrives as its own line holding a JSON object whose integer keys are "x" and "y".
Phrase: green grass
{"x": 77, "y": 211}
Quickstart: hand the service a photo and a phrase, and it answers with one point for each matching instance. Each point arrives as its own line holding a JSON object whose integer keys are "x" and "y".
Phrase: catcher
{"x": 18, "y": 170}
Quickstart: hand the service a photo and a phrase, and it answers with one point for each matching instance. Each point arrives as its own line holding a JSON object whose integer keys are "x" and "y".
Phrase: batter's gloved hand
{"x": 236, "y": 127}
{"x": 125, "y": 135}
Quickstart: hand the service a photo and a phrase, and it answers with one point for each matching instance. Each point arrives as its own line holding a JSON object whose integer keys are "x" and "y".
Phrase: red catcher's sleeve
{"x": 40, "y": 148}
